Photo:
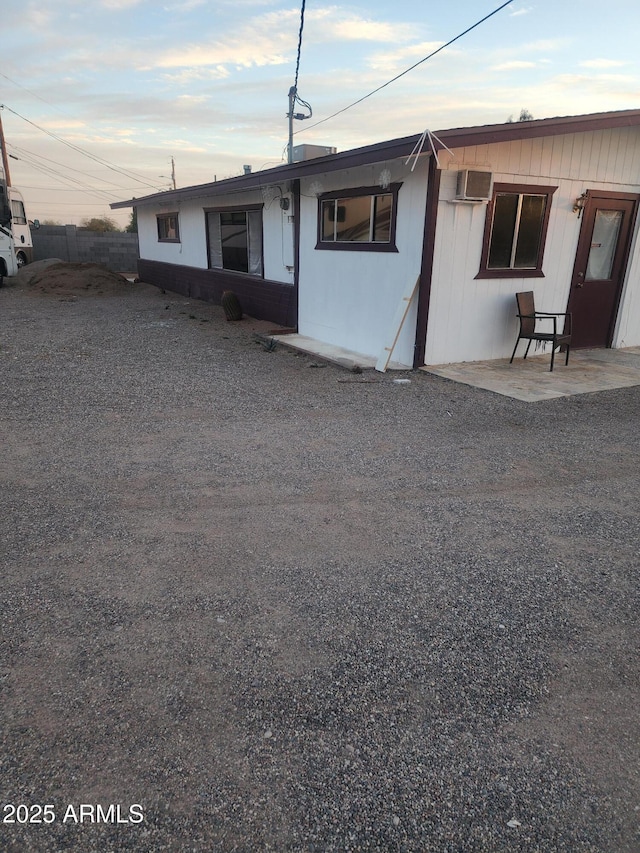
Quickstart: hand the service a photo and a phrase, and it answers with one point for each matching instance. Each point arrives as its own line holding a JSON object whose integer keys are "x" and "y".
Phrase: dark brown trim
{"x": 295, "y": 190}
{"x": 510, "y": 273}
{"x": 591, "y": 194}
{"x": 235, "y": 208}
{"x": 259, "y": 297}
{"x": 345, "y": 246}
{"x": 426, "y": 268}
{"x": 514, "y": 189}
{"x": 167, "y": 215}
{"x": 602, "y": 306}
{"x": 356, "y": 246}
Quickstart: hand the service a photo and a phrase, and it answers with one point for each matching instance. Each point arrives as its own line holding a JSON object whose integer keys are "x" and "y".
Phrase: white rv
{"x": 8, "y": 262}
{"x": 20, "y": 228}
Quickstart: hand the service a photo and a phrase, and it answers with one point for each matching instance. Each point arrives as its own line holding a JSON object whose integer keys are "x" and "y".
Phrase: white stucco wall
{"x": 191, "y": 251}
{"x": 349, "y": 298}
{"x": 475, "y": 319}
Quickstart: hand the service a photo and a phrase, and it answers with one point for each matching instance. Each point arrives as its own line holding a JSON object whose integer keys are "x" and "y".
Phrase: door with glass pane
{"x": 601, "y": 261}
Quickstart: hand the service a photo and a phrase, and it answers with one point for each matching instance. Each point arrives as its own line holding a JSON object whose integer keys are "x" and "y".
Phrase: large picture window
{"x": 235, "y": 240}
{"x": 359, "y": 219}
{"x": 168, "y": 231}
{"x": 515, "y": 231}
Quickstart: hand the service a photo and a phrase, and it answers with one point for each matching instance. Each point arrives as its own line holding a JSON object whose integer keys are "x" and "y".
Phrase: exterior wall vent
{"x": 309, "y": 152}
{"x": 473, "y": 185}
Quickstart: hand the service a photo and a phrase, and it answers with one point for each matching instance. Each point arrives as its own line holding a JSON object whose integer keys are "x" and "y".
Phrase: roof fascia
{"x": 390, "y": 150}
{"x": 394, "y": 149}
{"x": 487, "y": 134}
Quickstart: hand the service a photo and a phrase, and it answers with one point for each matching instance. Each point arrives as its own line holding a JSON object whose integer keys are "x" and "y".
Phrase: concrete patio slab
{"x": 336, "y": 355}
{"x": 530, "y": 380}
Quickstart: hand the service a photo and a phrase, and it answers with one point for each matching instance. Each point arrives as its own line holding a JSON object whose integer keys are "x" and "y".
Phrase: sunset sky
{"x": 99, "y": 96}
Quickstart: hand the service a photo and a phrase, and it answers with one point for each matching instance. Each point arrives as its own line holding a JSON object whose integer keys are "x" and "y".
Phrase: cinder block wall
{"x": 116, "y": 250}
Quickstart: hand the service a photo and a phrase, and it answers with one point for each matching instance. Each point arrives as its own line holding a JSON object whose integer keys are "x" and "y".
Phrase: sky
{"x": 100, "y": 95}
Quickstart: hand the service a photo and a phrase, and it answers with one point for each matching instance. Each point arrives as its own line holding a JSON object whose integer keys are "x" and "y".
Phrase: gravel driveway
{"x": 251, "y": 602}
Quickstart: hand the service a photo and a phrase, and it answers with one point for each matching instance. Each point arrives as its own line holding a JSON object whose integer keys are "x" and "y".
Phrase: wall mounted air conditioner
{"x": 473, "y": 185}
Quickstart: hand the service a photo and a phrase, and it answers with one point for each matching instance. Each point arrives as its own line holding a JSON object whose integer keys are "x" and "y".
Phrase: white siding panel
{"x": 349, "y": 298}
{"x": 191, "y": 251}
{"x": 627, "y": 331}
{"x": 475, "y": 319}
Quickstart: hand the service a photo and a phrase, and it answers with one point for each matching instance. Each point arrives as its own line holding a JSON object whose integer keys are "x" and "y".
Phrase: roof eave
{"x": 396, "y": 148}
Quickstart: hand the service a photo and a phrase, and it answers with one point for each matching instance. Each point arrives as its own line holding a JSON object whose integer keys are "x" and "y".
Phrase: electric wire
{"x": 296, "y": 98}
{"x": 50, "y": 173}
{"x": 24, "y": 151}
{"x": 44, "y": 100}
{"x": 105, "y": 194}
{"x": 407, "y": 70}
{"x": 299, "y": 42}
{"x": 79, "y": 150}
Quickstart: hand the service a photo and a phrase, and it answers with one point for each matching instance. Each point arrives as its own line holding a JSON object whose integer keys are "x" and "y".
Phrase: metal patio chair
{"x": 530, "y": 321}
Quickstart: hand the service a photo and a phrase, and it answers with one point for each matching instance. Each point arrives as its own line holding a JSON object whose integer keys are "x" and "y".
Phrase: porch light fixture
{"x": 580, "y": 203}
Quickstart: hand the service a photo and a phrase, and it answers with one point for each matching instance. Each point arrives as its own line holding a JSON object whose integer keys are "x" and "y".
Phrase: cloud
{"x": 397, "y": 60}
{"x": 355, "y": 28}
{"x": 545, "y": 46}
{"x": 265, "y": 41}
{"x": 601, "y": 63}
{"x": 120, "y": 4}
{"x": 187, "y": 76}
{"x": 513, "y": 65}
{"x": 270, "y": 39}
{"x": 236, "y": 52}
{"x": 184, "y": 6}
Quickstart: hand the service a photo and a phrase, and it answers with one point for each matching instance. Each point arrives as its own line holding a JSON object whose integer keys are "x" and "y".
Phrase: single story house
{"x": 424, "y": 239}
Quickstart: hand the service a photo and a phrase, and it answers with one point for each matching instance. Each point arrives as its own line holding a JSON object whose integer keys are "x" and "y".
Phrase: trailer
{"x": 8, "y": 262}
{"x": 21, "y": 228}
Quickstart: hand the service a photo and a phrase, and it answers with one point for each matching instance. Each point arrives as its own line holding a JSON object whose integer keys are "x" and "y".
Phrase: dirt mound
{"x": 59, "y": 278}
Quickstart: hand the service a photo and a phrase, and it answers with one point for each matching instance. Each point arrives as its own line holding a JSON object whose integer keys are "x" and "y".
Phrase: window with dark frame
{"x": 235, "y": 239}
{"x": 515, "y": 231}
{"x": 168, "y": 231}
{"x": 360, "y": 219}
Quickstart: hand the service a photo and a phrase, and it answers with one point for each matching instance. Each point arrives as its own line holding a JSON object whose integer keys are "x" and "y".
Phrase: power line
{"x": 299, "y": 42}
{"x": 24, "y": 151}
{"x": 62, "y": 190}
{"x": 44, "y": 101}
{"x": 26, "y": 155}
{"x": 79, "y": 149}
{"x": 407, "y": 70}
{"x": 294, "y": 98}
{"x": 54, "y": 173}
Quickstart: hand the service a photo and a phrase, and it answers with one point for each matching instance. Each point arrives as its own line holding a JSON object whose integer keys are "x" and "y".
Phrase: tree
{"x": 132, "y": 227}
{"x": 525, "y": 115}
{"x": 50, "y": 222}
{"x": 100, "y": 224}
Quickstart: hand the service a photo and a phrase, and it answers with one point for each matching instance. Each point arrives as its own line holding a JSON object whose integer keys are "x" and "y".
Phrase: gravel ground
{"x": 283, "y": 607}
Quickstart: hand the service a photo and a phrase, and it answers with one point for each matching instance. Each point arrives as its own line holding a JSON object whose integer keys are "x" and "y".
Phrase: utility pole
{"x": 293, "y": 99}
{"x": 173, "y": 174}
{"x": 5, "y": 158}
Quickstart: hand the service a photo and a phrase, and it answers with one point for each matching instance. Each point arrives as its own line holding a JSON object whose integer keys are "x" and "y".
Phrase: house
{"x": 451, "y": 224}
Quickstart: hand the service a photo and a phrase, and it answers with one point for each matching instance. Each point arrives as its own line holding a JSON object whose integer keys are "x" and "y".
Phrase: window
{"x": 17, "y": 209}
{"x": 362, "y": 219}
{"x": 235, "y": 239}
{"x": 168, "y": 231}
{"x": 515, "y": 231}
